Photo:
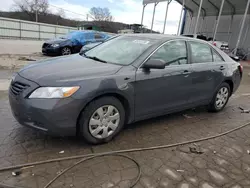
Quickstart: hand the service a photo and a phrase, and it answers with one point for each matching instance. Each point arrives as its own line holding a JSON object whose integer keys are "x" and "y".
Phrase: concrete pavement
{"x": 21, "y": 47}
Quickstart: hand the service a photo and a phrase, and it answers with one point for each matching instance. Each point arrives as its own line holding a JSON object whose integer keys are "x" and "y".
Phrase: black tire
{"x": 90, "y": 110}
{"x": 66, "y": 51}
{"x": 212, "y": 107}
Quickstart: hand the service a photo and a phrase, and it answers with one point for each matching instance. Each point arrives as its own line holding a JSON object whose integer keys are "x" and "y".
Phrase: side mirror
{"x": 154, "y": 64}
{"x": 235, "y": 58}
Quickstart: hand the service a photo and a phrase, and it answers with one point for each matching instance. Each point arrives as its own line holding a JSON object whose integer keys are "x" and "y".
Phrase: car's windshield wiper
{"x": 95, "y": 58}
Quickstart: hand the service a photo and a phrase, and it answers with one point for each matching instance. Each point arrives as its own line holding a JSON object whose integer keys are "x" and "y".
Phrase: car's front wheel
{"x": 66, "y": 51}
{"x": 220, "y": 98}
{"x": 101, "y": 120}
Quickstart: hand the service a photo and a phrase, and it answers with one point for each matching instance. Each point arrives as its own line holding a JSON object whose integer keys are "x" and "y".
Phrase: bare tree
{"x": 59, "y": 15}
{"x": 32, "y": 7}
{"x": 101, "y": 14}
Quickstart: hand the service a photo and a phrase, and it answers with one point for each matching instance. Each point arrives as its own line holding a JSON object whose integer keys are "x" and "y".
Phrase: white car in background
{"x": 221, "y": 45}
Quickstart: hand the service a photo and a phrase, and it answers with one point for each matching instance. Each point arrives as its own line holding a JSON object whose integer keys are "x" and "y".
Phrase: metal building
{"x": 224, "y": 20}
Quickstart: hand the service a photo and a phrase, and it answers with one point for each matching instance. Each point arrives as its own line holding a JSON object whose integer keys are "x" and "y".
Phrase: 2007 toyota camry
{"x": 126, "y": 79}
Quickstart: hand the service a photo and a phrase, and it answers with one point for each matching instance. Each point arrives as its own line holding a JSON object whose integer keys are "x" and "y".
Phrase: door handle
{"x": 222, "y": 68}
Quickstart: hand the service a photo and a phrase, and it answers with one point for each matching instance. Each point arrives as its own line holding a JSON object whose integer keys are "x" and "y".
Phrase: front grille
{"x": 18, "y": 87}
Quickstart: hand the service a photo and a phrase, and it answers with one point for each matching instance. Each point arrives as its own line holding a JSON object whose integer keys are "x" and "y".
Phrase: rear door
{"x": 158, "y": 91}
{"x": 208, "y": 72}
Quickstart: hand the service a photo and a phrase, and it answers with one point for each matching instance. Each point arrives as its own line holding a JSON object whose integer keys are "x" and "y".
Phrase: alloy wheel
{"x": 66, "y": 51}
{"x": 221, "y": 97}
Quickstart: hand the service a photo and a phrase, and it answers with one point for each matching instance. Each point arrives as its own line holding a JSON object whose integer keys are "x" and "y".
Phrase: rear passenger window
{"x": 216, "y": 57}
{"x": 201, "y": 53}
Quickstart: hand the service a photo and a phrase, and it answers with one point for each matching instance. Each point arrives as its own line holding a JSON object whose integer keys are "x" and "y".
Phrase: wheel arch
{"x": 67, "y": 46}
{"x": 231, "y": 84}
{"x": 128, "y": 107}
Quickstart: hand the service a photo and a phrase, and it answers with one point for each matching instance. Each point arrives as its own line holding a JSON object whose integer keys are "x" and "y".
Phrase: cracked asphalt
{"x": 221, "y": 162}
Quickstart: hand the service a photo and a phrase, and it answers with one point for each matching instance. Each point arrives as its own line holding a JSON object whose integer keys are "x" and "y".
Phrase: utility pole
{"x": 36, "y": 12}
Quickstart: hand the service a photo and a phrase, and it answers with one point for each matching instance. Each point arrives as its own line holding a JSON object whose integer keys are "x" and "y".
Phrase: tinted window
{"x": 201, "y": 53}
{"x": 173, "y": 53}
{"x": 217, "y": 57}
{"x": 98, "y": 36}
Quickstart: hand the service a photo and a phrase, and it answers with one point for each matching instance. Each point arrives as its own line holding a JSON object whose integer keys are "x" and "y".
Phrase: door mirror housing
{"x": 154, "y": 64}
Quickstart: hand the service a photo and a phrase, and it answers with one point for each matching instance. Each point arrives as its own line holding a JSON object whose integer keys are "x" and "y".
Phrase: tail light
{"x": 214, "y": 44}
{"x": 241, "y": 69}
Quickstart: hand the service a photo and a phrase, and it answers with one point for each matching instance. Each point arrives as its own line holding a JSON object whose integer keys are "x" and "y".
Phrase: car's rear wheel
{"x": 220, "y": 98}
{"x": 66, "y": 51}
{"x": 101, "y": 120}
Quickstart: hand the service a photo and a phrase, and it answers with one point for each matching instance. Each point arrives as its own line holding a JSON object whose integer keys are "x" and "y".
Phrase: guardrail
{"x": 21, "y": 29}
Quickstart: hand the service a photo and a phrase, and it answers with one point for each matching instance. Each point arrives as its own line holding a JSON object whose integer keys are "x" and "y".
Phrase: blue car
{"x": 72, "y": 42}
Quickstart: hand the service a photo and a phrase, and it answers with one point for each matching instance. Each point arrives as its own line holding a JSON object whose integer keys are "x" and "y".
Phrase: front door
{"x": 158, "y": 91}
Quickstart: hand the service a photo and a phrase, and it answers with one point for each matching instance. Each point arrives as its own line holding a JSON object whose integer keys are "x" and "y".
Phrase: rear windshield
{"x": 121, "y": 50}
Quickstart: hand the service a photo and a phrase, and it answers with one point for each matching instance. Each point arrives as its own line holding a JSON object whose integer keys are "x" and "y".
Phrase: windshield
{"x": 121, "y": 50}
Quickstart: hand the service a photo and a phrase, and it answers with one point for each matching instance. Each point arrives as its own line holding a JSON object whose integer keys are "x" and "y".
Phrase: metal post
{"x": 39, "y": 31}
{"x": 168, "y": 2}
{"x": 197, "y": 21}
{"x": 218, "y": 20}
{"x": 142, "y": 15}
{"x": 55, "y": 31}
{"x": 190, "y": 25}
{"x": 242, "y": 27}
{"x": 153, "y": 18}
{"x": 179, "y": 26}
{"x": 20, "y": 27}
{"x": 214, "y": 26}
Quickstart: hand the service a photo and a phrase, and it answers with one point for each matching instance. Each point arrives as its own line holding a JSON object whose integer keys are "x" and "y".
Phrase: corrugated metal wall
{"x": 207, "y": 26}
{"x": 12, "y": 28}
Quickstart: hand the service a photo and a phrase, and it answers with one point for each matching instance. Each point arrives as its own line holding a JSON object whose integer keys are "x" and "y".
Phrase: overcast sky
{"x": 126, "y": 11}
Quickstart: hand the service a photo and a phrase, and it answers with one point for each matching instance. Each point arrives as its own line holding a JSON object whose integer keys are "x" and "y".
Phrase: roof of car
{"x": 162, "y": 37}
{"x": 156, "y": 36}
{"x": 87, "y": 31}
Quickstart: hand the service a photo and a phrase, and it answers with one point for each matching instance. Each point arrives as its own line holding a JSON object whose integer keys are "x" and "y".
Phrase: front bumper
{"x": 51, "y": 51}
{"x": 54, "y": 116}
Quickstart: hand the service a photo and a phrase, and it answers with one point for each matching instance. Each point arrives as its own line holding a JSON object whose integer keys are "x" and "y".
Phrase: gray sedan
{"x": 126, "y": 79}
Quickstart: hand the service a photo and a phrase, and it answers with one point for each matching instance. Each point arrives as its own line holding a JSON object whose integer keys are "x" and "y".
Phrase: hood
{"x": 57, "y": 41}
{"x": 67, "y": 69}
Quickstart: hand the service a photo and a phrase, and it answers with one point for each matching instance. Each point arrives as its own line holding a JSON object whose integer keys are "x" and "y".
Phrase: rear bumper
{"x": 53, "y": 116}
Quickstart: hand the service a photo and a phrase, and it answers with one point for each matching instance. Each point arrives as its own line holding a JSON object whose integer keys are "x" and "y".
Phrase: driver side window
{"x": 173, "y": 53}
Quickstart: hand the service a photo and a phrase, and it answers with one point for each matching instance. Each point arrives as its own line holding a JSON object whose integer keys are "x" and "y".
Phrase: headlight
{"x": 54, "y": 45}
{"x": 53, "y": 92}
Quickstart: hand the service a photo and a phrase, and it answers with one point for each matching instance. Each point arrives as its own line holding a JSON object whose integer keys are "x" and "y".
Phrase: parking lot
{"x": 220, "y": 162}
